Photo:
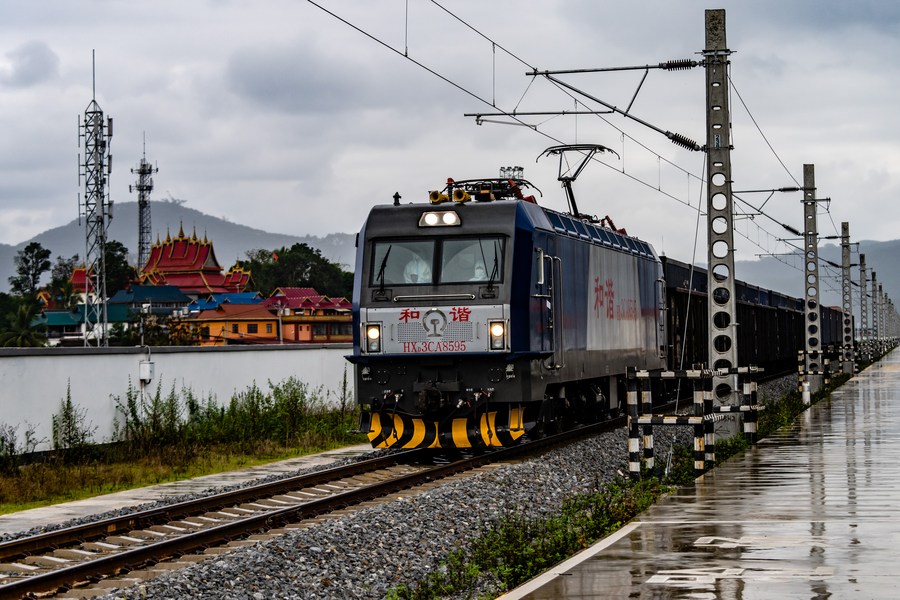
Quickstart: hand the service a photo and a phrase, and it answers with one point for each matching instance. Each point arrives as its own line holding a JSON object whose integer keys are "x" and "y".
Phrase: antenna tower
{"x": 143, "y": 186}
{"x": 97, "y": 212}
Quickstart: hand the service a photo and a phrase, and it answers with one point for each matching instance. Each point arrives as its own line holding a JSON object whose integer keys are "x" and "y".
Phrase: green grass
{"x": 170, "y": 437}
{"x": 44, "y": 484}
{"x": 163, "y": 439}
{"x": 516, "y": 549}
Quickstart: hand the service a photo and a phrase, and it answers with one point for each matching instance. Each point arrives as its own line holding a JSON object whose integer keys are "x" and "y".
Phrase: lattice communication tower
{"x": 143, "y": 186}
{"x": 96, "y": 133}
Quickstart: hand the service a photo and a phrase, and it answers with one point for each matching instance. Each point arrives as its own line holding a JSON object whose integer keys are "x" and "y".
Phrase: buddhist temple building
{"x": 79, "y": 282}
{"x": 190, "y": 264}
{"x": 183, "y": 280}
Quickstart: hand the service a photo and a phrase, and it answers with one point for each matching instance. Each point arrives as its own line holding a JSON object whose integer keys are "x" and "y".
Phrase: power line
{"x": 759, "y": 129}
{"x": 514, "y": 115}
{"x": 510, "y": 114}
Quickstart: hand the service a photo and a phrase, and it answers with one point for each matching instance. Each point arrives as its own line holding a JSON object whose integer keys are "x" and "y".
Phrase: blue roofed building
{"x": 159, "y": 300}
{"x": 65, "y": 327}
{"x": 214, "y": 301}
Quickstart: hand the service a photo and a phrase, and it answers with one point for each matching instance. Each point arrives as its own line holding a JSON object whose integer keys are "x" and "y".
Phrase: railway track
{"x": 84, "y": 555}
{"x": 81, "y": 556}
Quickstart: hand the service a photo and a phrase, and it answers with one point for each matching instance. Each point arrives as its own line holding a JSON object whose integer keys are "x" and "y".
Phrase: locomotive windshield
{"x": 437, "y": 260}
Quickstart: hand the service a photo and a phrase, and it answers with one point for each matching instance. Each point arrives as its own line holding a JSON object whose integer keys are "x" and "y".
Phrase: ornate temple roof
{"x": 190, "y": 264}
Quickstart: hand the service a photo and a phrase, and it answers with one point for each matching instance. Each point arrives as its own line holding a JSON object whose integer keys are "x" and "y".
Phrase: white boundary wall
{"x": 33, "y": 382}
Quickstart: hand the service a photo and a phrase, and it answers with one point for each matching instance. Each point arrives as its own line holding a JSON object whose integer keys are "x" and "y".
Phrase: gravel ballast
{"x": 367, "y": 553}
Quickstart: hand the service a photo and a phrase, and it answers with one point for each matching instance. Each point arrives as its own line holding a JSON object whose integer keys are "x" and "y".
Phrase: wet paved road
{"x": 813, "y": 512}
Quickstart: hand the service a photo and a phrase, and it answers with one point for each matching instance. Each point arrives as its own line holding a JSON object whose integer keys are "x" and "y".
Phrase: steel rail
{"x": 128, "y": 560}
{"x": 89, "y": 531}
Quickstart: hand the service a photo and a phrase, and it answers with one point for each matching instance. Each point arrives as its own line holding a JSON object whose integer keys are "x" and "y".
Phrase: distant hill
{"x": 230, "y": 240}
{"x": 785, "y": 273}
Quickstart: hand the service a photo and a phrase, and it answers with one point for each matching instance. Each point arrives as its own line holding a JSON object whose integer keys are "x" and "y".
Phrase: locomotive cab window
{"x": 437, "y": 260}
{"x": 400, "y": 262}
{"x": 479, "y": 259}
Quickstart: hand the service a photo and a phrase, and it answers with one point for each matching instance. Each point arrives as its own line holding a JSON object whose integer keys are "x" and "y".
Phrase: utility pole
{"x": 863, "y": 309}
{"x": 847, "y": 358}
{"x": 882, "y": 334}
{"x": 813, "y": 373}
{"x": 875, "y": 332}
{"x": 719, "y": 215}
{"x": 891, "y": 326}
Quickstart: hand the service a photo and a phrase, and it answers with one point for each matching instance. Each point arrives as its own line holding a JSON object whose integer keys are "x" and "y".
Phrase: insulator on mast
{"x": 679, "y": 65}
{"x": 684, "y": 142}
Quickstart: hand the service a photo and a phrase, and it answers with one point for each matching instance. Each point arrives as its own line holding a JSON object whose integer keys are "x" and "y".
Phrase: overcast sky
{"x": 277, "y": 115}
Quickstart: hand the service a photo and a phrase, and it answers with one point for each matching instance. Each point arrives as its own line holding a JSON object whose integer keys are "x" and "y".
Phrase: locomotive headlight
{"x": 497, "y": 329}
{"x": 373, "y": 337}
{"x": 443, "y": 218}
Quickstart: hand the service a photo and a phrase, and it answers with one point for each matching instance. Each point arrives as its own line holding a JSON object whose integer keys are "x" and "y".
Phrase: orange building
{"x": 236, "y": 324}
{"x": 307, "y": 316}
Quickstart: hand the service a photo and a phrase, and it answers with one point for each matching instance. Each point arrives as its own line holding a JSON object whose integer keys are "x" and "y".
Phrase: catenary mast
{"x": 722, "y": 313}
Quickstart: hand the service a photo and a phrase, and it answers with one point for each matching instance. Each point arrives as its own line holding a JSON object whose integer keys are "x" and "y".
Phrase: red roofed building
{"x": 190, "y": 265}
{"x": 79, "y": 280}
{"x": 307, "y": 316}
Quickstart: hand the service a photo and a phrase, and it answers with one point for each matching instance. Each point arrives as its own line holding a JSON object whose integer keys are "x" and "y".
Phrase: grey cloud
{"x": 304, "y": 79}
{"x": 29, "y": 64}
{"x": 837, "y": 15}
{"x": 294, "y": 80}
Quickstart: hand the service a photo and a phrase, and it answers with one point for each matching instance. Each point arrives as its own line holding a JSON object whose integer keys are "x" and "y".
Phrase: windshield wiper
{"x": 382, "y": 268}
{"x": 495, "y": 270}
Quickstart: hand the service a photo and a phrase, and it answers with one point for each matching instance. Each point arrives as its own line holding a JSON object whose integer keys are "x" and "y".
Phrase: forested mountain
{"x": 231, "y": 241}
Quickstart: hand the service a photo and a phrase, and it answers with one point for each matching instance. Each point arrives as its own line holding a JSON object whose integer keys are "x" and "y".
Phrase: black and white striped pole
{"x": 647, "y": 409}
{"x": 709, "y": 426}
{"x": 748, "y": 404}
{"x": 634, "y": 440}
{"x": 699, "y": 429}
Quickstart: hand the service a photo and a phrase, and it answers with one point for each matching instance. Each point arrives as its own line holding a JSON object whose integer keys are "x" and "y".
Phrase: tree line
{"x": 19, "y": 308}
{"x": 296, "y": 266}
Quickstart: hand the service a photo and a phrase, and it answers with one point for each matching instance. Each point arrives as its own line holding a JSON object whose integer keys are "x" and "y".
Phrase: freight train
{"x": 482, "y": 319}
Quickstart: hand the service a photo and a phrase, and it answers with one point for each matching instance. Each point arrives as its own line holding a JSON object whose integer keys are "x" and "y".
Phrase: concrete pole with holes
{"x": 848, "y": 359}
{"x": 814, "y": 358}
{"x": 863, "y": 309}
{"x": 882, "y": 334}
{"x": 721, "y": 300}
{"x": 875, "y": 332}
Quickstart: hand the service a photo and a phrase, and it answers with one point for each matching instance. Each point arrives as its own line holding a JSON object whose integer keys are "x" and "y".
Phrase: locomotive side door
{"x": 546, "y": 299}
{"x": 661, "y": 317}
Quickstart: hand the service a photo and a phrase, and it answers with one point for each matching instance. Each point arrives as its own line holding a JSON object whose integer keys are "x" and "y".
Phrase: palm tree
{"x": 21, "y": 333}
{"x": 66, "y": 296}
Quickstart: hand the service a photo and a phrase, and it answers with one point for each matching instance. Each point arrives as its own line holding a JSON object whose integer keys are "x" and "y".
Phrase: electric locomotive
{"x": 482, "y": 318}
